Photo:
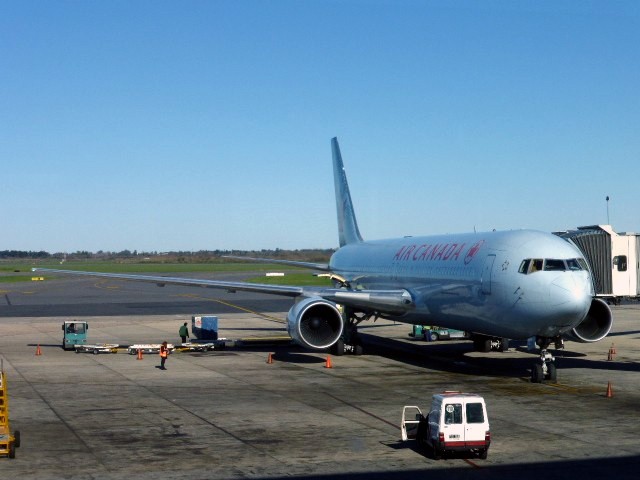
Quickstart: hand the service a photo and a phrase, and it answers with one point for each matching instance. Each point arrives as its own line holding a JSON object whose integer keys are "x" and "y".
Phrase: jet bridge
{"x": 614, "y": 259}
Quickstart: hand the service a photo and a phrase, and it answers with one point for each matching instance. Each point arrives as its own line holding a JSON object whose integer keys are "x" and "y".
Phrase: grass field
{"x": 10, "y": 273}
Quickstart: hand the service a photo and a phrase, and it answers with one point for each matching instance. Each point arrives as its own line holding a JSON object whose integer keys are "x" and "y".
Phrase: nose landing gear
{"x": 546, "y": 368}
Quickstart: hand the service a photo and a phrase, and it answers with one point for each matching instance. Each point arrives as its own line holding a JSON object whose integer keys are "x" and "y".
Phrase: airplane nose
{"x": 571, "y": 295}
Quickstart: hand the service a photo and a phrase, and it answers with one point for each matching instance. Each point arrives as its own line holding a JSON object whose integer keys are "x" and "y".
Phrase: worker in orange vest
{"x": 164, "y": 353}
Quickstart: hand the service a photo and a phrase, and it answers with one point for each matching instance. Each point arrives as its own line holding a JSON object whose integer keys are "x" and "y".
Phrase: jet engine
{"x": 596, "y": 324}
{"x": 315, "y": 323}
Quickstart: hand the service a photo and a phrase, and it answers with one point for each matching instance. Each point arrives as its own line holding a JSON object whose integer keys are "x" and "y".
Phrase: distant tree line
{"x": 200, "y": 256}
{"x": 13, "y": 254}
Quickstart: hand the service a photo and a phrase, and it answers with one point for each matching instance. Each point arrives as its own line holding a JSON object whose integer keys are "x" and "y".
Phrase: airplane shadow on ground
{"x": 454, "y": 358}
{"x": 619, "y": 468}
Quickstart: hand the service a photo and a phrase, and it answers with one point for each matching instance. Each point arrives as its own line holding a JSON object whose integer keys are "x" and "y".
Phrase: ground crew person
{"x": 184, "y": 332}
{"x": 164, "y": 353}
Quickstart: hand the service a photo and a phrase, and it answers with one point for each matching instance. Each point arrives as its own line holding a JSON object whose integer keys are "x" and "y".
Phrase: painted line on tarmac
{"x": 233, "y": 305}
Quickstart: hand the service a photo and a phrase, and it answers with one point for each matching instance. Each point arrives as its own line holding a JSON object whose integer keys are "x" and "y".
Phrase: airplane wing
{"x": 368, "y": 300}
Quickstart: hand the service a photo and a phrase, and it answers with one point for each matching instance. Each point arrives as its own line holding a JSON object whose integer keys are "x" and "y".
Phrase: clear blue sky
{"x": 156, "y": 125}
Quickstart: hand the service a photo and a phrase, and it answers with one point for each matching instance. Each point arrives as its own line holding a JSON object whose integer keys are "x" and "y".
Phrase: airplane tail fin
{"x": 347, "y": 224}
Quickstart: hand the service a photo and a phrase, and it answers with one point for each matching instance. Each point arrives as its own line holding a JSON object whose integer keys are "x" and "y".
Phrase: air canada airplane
{"x": 520, "y": 284}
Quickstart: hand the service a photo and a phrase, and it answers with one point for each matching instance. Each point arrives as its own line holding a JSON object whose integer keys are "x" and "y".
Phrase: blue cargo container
{"x": 204, "y": 327}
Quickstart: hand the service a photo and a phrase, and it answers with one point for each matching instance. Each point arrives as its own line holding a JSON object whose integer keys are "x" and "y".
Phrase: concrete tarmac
{"x": 230, "y": 414}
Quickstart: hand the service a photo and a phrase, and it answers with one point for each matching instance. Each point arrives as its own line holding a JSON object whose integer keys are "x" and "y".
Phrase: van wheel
{"x": 483, "y": 453}
{"x": 12, "y": 450}
{"x": 437, "y": 454}
{"x": 16, "y": 438}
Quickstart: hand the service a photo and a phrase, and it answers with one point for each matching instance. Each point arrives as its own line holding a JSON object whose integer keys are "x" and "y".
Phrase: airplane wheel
{"x": 504, "y": 344}
{"x": 552, "y": 373}
{"x": 358, "y": 350}
{"x": 536, "y": 373}
{"x": 482, "y": 344}
{"x": 338, "y": 348}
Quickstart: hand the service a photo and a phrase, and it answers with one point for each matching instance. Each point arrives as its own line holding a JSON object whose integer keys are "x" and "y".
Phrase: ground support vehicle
{"x": 74, "y": 332}
{"x": 148, "y": 348}
{"x": 8, "y": 442}
{"x": 457, "y": 422}
{"x": 201, "y": 346}
{"x": 96, "y": 349}
{"x": 434, "y": 334}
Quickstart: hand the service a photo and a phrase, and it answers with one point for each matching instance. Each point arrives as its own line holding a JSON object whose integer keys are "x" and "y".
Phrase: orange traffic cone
{"x": 38, "y": 351}
{"x": 609, "y": 391}
{"x": 270, "y": 358}
{"x": 328, "y": 364}
{"x": 139, "y": 357}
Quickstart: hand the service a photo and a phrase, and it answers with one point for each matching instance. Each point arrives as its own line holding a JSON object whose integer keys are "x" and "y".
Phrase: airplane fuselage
{"x": 474, "y": 281}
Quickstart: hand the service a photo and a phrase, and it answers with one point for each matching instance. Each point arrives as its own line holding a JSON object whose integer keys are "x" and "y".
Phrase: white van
{"x": 457, "y": 422}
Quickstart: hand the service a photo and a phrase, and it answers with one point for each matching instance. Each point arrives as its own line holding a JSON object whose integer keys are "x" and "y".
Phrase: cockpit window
{"x": 531, "y": 265}
{"x": 554, "y": 266}
{"x": 524, "y": 266}
{"x": 536, "y": 265}
{"x": 573, "y": 264}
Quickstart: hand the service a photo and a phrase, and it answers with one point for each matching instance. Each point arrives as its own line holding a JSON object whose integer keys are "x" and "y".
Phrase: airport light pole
{"x": 608, "y": 210}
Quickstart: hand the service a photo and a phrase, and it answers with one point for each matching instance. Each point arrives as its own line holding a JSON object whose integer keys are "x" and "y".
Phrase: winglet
{"x": 347, "y": 224}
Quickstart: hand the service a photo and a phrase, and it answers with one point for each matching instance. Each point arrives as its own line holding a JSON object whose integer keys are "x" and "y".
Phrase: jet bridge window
{"x": 620, "y": 261}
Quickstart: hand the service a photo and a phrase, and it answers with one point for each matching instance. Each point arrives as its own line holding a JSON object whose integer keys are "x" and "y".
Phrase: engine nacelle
{"x": 315, "y": 323}
{"x": 596, "y": 324}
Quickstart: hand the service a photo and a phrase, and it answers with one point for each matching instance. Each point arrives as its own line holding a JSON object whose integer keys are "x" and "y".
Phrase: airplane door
{"x": 487, "y": 270}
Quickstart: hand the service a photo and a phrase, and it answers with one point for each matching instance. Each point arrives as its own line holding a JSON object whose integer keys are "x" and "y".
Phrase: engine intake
{"x": 595, "y": 326}
{"x": 315, "y": 323}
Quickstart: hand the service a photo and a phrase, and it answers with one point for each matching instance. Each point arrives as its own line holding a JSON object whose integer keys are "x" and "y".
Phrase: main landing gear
{"x": 482, "y": 343}
{"x": 545, "y": 369}
{"x": 350, "y": 342}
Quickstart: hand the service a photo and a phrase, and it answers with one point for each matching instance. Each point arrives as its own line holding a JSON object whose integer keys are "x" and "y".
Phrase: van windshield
{"x": 475, "y": 413}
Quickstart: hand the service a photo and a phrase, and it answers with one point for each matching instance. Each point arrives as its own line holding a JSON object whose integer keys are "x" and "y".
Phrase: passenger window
{"x": 475, "y": 413}
{"x": 621, "y": 262}
{"x": 453, "y": 413}
{"x": 554, "y": 265}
